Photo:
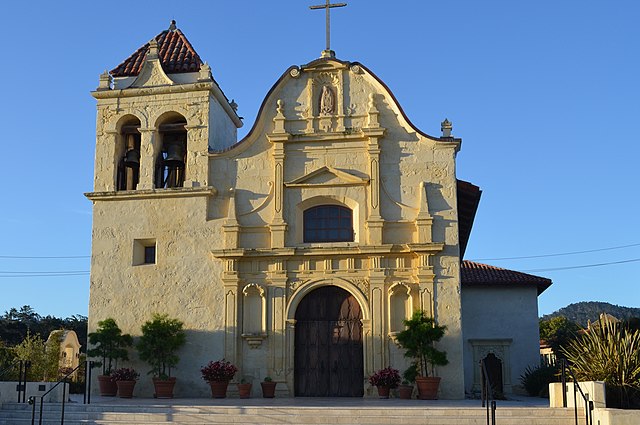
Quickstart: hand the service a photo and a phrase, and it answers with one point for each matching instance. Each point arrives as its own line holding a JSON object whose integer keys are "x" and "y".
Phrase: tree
{"x": 109, "y": 344}
{"x": 418, "y": 338}
{"x": 558, "y": 332}
{"x": 161, "y": 338}
{"x": 44, "y": 356}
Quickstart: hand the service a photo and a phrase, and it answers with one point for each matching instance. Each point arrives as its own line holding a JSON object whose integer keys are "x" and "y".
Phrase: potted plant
{"x": 384, "y": 380}
{"x": 244, "y": 388}
{"x": 268, "y": 387}
{"x": 218, "y": 374}
{"x": 161, "y": 338}
{"x": 125, "y": 378}
{"x": 417, "y": 339}
{"x": 405, "y": 389}
{"x": 109, "y": 344}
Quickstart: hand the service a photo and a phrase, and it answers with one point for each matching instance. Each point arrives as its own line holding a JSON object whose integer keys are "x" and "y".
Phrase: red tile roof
{"x": 473, "y": 273}
{"x": 175, "y": 52}
{"x": 468, "y": 200}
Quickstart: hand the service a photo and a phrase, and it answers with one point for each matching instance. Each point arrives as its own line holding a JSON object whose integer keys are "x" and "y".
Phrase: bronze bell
{"x": 175, "y": 152}
{"x": 132, "y": 158}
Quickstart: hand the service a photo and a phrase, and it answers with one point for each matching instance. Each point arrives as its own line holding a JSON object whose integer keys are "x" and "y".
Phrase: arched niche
{"x": 254, "y": 314}
{"x": 400, "y": 306}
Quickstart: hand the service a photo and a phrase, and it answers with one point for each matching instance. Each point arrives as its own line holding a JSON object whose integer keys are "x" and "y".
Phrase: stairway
{"x": 402, "y": 413}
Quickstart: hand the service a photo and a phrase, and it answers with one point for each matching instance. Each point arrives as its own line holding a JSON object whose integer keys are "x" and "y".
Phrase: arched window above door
{"x": 328, "y": 223}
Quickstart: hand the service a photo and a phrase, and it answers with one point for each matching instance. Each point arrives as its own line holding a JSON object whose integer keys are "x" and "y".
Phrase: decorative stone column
{"x": 279, "y": 136}
{"x": 148, "y": 154}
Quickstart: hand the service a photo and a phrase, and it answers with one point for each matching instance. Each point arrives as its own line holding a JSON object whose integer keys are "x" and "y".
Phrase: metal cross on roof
{"x": 328, "y": 6}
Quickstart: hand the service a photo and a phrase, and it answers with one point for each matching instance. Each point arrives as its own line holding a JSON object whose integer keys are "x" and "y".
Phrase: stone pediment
{"x": 152, "y": 75}
{"x": 328, "y": 176}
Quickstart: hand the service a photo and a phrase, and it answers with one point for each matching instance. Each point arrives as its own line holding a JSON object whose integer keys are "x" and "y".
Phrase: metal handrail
{"x": 487, "y": 393}
{"x": 32, "y": 399}
{"x": 21, "y": 389}
{"x": 588, "y": 404}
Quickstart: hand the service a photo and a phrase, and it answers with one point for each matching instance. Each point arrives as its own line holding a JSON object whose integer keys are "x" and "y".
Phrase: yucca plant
{"x": 607, "y": 352}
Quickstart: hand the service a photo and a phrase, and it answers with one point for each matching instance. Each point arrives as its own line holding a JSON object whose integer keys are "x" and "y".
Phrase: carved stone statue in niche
{"x": 327, "y": 101}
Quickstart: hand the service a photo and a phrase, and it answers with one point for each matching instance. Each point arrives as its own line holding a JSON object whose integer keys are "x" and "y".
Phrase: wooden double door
{"x": 328, "y": 345}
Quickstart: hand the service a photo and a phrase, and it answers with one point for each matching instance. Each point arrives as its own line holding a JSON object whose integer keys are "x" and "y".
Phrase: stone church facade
{"x": 294, "y": 253}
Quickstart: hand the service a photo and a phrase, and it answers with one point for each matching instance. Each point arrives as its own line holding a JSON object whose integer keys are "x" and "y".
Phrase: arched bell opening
{"x": 128, "y": 174}
{"x": 172, "y": 157}
{"x": 328, "y": 359}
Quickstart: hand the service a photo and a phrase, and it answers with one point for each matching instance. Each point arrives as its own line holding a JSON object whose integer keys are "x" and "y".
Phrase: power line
{"x": 43, "y": 271}
{"x": 584, "y": 266}
{"x": 45, "y": 275}
{"x": 558, "y": 254}
{"x": 44, "y": 257}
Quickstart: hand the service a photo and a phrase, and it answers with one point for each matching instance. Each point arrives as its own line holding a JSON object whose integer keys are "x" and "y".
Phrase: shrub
{"x": 418, "y": 340}
{"x": 219, "y": 370}
{"x": 608, "y": 352}
{"x": 161, "y": 338}
{"x": 387, "y": 377}
{"x": 44, "y": 357}
{"x": 124, "y": 374}
{"x": 109, "y": 344}
{"x": 536, "y": 380}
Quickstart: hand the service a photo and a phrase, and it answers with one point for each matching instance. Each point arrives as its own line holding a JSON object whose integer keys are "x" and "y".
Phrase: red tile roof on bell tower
{"x": 175, "y": 52}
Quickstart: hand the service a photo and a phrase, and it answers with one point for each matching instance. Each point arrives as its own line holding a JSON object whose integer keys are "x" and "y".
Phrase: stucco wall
{"x": 241, "y": 223}
{"x": 501, "y": 313}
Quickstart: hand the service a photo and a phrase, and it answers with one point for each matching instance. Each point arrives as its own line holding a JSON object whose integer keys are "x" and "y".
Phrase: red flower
{"x": 219, "y": 370}
{"x": 387, "y": 377}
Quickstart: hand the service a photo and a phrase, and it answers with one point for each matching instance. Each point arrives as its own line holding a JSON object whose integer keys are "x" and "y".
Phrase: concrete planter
{"x": 8, "y": 392}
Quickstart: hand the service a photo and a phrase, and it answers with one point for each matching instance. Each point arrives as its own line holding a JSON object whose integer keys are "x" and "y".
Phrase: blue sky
{"x": 544, "y": 94}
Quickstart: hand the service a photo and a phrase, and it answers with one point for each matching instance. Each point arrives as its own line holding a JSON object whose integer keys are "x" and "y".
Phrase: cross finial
{"x": 327, "y": 52}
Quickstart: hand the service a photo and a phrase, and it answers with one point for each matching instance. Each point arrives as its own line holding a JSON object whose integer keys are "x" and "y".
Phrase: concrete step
{"x": 17, "y": 414}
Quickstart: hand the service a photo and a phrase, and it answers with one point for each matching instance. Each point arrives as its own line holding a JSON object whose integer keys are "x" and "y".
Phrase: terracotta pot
{"x": 383, "y": 392}
{"x": 268, "y": 389}
{"x": 405, "y": 391}
{"x": 125, "y": 388}
{"x": 428, "y": 387}
{"x": 244, "y": 390}
{"x": 164, "y": 387}
{"x": 108, "y": 388}
{"x": 218, "y": 388}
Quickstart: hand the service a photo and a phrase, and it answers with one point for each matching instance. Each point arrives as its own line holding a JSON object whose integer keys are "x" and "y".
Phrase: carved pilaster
{"x": 424, "y": 221}
{"x": 231, "y": 227}
{"x": 148, "y": 154}
{"x": 374, "y": 220}
{"x": 378, "y": 333}
{"x": 110, "y": 149}
{"x": 426, "y": 281}
{"x": 278, "y": 226}
{"x": 278, "y": 300}
{"x": 340, "y": 109}
{"x": 197, "y": 166}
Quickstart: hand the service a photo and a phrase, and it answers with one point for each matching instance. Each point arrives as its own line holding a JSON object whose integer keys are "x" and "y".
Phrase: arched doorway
{"x": 328, "y": 345}
{"x": 493, "y": 366}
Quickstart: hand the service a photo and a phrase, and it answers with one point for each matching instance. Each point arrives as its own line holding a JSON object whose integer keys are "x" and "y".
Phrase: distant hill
{"x": 583, "y": 312}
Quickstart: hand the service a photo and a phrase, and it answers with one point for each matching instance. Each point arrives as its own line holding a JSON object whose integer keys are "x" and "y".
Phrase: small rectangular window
{"x": 144, "y": 251}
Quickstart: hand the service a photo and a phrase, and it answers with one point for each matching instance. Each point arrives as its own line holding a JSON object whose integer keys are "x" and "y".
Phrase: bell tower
{"x": 160, "y": 112}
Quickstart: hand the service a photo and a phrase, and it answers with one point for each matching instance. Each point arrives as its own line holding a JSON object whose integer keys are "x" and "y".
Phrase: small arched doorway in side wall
{"x": 328, "y": 359}
{"x": 493, "y": 366}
